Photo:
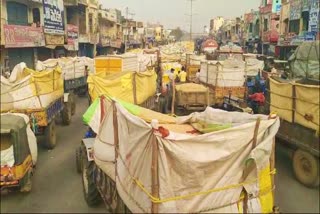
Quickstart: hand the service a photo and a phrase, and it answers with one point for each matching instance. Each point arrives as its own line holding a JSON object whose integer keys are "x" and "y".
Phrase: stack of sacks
{"x": 72, "y": 68}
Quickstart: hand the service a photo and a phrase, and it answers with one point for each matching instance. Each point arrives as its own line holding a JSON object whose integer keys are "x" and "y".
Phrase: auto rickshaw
{"x": 18, "y": 153}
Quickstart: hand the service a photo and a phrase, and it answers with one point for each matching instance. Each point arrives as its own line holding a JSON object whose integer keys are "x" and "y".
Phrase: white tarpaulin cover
{"x": 196, "y": 173}
{"x": 253, "y": 66}
{"x": 29, "y": 89}
{"x": 72, "y": 67}
{"x": 228, "y": 73}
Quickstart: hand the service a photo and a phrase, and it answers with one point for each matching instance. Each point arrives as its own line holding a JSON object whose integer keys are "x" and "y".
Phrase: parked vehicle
{"x": 18, "y": 152}
{"x": 40, "y": 96}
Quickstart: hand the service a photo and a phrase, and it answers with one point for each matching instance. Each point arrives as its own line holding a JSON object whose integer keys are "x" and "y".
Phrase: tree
{"x": 177, "y": 33}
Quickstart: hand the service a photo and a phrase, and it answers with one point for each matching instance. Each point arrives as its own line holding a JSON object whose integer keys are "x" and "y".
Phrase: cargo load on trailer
{"x": 224, "y": 78}
{"x": 203, "y": 162}
{"x": 40, "y": 95}
{"x": 296, "y": 101}
{"x": 132, "y": 87}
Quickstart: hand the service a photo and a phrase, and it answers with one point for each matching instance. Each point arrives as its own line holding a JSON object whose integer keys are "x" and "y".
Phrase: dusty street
{"x": 57, "y": 187}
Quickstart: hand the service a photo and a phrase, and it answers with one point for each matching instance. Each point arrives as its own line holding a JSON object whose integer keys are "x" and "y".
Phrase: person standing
{"x": 183, "y": 75}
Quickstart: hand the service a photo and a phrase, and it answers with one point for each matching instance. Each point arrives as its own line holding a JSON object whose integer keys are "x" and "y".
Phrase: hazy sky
{"x": 171, "y": 13}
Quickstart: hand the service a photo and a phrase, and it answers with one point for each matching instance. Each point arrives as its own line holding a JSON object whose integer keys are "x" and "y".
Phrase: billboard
{"x": 53, "y": 16}
{"x": 23, "y": 36}
{"x": 73, "y": 36}
{"x": 314, "y": 16}
{"x": 276, "y": 6}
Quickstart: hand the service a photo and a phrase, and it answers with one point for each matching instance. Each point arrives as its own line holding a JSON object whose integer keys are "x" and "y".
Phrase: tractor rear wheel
{"x": 306, "y": 168}
{"x": 90, "y": 191}
{"x": 66, "y": 113}
{"x": 50, "y": 135}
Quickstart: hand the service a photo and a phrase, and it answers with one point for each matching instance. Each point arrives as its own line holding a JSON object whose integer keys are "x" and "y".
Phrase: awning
{"x": 51, "y": 46}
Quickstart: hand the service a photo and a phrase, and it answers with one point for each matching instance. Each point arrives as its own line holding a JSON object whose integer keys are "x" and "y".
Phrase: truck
{"x": 140, "y": 161}
{"x": 39, "y": 95}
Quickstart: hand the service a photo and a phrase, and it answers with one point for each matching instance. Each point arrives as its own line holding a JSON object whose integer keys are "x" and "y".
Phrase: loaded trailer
{"x": 74, "y": 72}
{"x": 39, "y": 95}
{"x": 146, "y": 162}
{"x": 296, "y": 101}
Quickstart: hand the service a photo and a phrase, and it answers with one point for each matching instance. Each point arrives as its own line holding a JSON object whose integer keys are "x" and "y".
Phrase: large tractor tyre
{"x": 306, "y": 168}
{"x": 90, "y": 191}
{"x": 66, "y": 113}
{"x": 50, "y": 135}
{"x": 27, "y": 182}
{"x": 73, "y": 104}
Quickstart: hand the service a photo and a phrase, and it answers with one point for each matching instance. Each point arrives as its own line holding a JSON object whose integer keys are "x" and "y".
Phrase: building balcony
{"x": 271, "y": 36}
{"x": 266, "y": 9}
{"x": 70, "y": 2}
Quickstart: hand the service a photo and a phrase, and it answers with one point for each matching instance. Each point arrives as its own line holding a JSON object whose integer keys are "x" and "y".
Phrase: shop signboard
{"x": 73, "y": 36}
{"x": 53, "y": 16}
{"x": 54, "y": 39}
{"x": 314, "y": 16}
{"x": 295, "y": 9}
{"x": 23, "y": 36}
{"x": 276, "y": 6}
{"x": 305, "y": 5}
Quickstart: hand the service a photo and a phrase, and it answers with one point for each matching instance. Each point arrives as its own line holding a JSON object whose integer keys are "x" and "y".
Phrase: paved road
{"x": 57, "y": 187}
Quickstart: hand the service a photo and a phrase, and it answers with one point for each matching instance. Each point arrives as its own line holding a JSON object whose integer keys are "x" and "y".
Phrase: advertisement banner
{"x": 295, "y": 9}
{"x": 73, "y": 36}
{"x": 53, "y": 16}
{"x": 314, "y": 16}
{"x": 23, "y": 36}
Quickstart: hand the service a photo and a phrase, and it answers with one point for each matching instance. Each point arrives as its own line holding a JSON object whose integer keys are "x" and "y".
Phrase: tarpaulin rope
{"x": 158, "y": 200}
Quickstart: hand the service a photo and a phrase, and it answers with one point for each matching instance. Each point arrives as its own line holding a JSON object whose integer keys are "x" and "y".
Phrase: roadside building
{"x": 88, "y": 27}
{"x": 251, "y": 29}
{"x": 215, "y": 25}
{"x": 270, "y": 25}
{"x": 21, "y": 32}
{"x": 110, "y": 32}
{"x": 299, "y": 21}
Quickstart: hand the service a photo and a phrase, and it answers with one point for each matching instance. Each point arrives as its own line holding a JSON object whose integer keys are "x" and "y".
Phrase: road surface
{"x": 58, "y": 188}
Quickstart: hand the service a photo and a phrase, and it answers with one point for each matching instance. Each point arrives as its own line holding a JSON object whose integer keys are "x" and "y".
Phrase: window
{"x": 17, "y": 13}
{"x": 265, "y": 25}
{"x": 36, "y": 16}
{"x": 90, "y": 23}
{"x": 294, "y": 26}
{"x": 82, "y": 20}
{"x": 250, "y": 27}
{"x": 305, "y": 19}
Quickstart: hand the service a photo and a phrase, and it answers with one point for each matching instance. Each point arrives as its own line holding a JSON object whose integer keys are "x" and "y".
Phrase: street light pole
{"x": 191, "y": 14}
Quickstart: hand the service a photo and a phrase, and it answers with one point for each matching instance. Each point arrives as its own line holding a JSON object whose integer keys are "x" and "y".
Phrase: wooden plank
{"x": 155, "y": 174}
{"x": 116, "y": 134}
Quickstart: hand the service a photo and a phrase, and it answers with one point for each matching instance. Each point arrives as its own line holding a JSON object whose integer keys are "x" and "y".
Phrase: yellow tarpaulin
{"x": 121, "y": 86}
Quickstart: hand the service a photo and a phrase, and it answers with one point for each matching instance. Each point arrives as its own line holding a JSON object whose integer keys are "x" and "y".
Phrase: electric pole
{"x": 191, "y": 15}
